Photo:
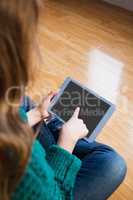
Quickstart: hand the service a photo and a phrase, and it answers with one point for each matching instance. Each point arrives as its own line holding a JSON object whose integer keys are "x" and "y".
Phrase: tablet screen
{"x": 92, "y": 108}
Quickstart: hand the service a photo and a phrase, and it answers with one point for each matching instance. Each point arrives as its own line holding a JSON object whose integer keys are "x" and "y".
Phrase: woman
{"x": 35, "y": 167}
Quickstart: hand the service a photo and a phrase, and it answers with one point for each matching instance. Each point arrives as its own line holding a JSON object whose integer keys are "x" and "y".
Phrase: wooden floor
{"x": 92, "y": 42}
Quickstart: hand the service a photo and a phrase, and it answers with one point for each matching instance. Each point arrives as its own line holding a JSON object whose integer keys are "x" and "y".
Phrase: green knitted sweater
{"x": 48, "y": 175}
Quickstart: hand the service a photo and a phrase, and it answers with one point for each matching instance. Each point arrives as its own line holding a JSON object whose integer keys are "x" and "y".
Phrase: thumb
{"x": 49, "y": 97}
{"x": 76, "y": 112}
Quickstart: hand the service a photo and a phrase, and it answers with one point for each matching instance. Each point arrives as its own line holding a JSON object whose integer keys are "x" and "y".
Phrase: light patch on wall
{"x": 104, "y": 74}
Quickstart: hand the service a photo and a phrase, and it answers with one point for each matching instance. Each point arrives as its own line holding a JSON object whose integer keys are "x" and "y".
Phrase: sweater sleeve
{"x": 64, "y": 165}
{"x": 48, "y": 175}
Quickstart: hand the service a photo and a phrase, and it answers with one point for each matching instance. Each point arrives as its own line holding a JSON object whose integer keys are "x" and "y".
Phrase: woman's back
{"x": 26, "y": 172}
{"x": 48, "y": 176}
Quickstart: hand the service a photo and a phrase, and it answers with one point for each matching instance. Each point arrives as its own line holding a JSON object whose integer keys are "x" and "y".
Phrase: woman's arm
{"x": 64, "y": 165}
{"x": 48, "y": 176}
{"x": 40, "y": 112}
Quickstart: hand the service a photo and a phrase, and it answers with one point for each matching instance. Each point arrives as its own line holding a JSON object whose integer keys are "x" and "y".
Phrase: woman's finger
{"x": 50, "y": 96}
{"x": 76, "y": 112}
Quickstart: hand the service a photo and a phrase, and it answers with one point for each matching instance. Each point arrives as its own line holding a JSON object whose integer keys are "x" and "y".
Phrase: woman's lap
{"x": 102, "y": 169}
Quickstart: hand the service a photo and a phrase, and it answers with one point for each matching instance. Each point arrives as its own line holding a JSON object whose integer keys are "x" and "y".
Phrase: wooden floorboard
{"x": 93, "y": 42}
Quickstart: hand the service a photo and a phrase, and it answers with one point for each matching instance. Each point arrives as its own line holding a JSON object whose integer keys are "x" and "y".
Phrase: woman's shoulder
{"x": 36, "y": 174}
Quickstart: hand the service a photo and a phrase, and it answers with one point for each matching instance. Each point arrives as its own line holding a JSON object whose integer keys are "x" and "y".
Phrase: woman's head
{"x": 18, "y": 20}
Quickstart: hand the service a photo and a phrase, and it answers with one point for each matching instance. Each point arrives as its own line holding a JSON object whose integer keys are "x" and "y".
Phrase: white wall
{"x": 128, "y": 4}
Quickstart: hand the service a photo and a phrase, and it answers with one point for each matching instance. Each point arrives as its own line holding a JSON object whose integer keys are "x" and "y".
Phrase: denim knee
{"x": 115, "y": 165}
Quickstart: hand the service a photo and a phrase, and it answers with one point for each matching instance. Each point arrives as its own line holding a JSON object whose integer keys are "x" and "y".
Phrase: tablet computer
{"x": 94, "y": 109}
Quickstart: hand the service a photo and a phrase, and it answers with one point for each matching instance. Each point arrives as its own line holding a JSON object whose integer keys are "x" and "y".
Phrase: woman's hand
{"x": 34, "y": 117}
{"x": 72, "y": 131}
{"x": 40, "y": 112}
{"x": 43, "y": 107}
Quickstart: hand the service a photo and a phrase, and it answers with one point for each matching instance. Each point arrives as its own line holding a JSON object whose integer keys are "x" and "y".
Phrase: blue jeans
{"x": 102, "y": 170}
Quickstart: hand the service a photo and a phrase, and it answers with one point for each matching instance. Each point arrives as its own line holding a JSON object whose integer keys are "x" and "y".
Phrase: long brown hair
{"x": 18, "y": 19}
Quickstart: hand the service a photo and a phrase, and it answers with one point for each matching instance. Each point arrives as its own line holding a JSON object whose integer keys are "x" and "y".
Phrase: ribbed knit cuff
{"x": 64, "y": 164}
